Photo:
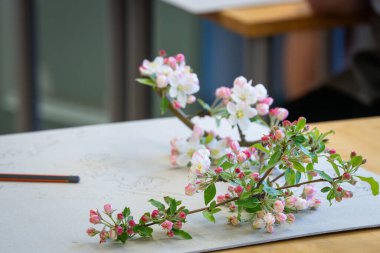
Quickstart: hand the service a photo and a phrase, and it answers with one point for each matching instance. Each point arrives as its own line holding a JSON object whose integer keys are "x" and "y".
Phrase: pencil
{"x": 40, "y": 178}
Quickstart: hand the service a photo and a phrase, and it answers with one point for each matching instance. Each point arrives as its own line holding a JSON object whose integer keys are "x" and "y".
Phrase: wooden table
{"x": 258, "y": 23}
{"x": 279, "y": 18}
{"x": 363, "y": 136}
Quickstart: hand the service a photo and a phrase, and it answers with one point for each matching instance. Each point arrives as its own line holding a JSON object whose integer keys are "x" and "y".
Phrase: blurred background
{"x": 73, "y": 62}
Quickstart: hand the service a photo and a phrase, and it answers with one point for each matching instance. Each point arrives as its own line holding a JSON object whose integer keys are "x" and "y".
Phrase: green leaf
{"x": 274, "y": 158}
{"x": 209, "y": 138}
{"x": 260, "y": 147}
{"x": 356, "y": 161}
{"x": 216, "y": 210}
{"x": 146, "y": 81}
{"x": 209, "y": 216}
{"x": 245, "y": 195}
{"x": 126, "y": 212}
{"x": 182, "y": 234}
{"x": 212, "y": 205}
{"x": 324, "y": 175}
{"x": 122, "y": 238}
{"x": 299, "y": 167}
{"x": 372, "y": 182}
{"x": 325, "y": 189}
{"x": 164, "y": 104}
{"x": 305, "y": 150}
{"x": 290, "y": 176}
{"x": 157, "y": 204}
{"x": 209, "y": 193}
{"x": 251, "y": 202}
{"x": 301, "y": 124}
{"x": 143, "y": 230}
{"x": 270, "y": 190}
{"x": 335, "y": 167}
{"x": 299, "y": 139}
{"x": 173, "y": 206}
{"x": 226, "y": 165}
{"x": 330, "y": 196}
{"x": 298, "y": 177}
{"x": 253, "y": 210}
{"x": 204, "y": 104}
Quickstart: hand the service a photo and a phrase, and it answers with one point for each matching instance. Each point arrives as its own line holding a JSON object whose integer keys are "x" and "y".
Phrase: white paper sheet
{"x": 127, "y": 164}
{"x": 208, "y": 6}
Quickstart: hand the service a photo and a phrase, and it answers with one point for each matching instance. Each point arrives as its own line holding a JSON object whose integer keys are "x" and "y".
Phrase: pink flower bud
{"x": 220, "y": 198}
{"x": 269, "y": 219}
{"x": 234, "y": 145}
{"x": 180, "y": 58}
{"x": 268, "y": 101}
{"x": 255, "y": 176}
{"x": 170, "y": 234}
{"x": 120, "y": 216}
{"x": 223, "y": 93}
{"x": 238, "y": 189}
{"x": 353, "y": 153}
{"x": 237, "y": 170}
{"x": 190, "y": 189}
{"x": 145, "y": 218}
{"x": 241, "y": 175}
{"x": 95, "y": 219}
{"x": 132, "y": 223}
{"x": 290, "y": 201}
{"x": 182, "y": 215}
{"x": 230, "y": 188}
{"x": 218, "y": 170}
{"x": 172, "y": 62}
{"x": 227, "y": 196}
{"x": 279, "y": 135}
{"x": 232, "y": 207}
{"x": 278, "y": 206}
{"x": 93, "y": 212}
{"x": 312, "y": 173}
{"x": 162, "y": 52}
{"x": 332, "y": 151}
{"x": 339, "y": 189}
{"x": 231, "y": 157}
{"x": 241, "y": 157}
{"x": 286, "y": 123}
{"x": 309, "y": 191}
{"x": 130, "y": 231}
{"x": 233, "y": 220}
{"x": 346, "y": 176}
{"x": 112, "y": 234}
{"x": 348, "y": 194}
{"x": 108, "y": 208}
{"x": 291, "y": 218}
{"x": 314, "y": 203}
{"x": 119, "y": 230}
{"x": 281, "y": 217}
{"x": 270, "y": 228}
{"x": 155, "y": 214}
{"x": 162, "y": 81}
{"x": 300, "y": 204}
{"x": 248, "y": 152}
{"x": 191, "y": 99}
{"x": 265, "y": 138}
{"x": 262, "y": 109}
{"x": 176, "y": 104}
{"x": 92, "y": 231}
{"x": 282, "y": 114}
{"x": 167, "y": 225}
{"x": 177, "y": 225}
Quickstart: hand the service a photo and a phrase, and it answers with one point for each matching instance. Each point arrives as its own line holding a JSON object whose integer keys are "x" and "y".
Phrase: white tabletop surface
{"x": 127, "y": 164}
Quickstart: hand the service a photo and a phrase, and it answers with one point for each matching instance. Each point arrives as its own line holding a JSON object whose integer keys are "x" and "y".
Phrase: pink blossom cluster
{"x": 172, "y": 74}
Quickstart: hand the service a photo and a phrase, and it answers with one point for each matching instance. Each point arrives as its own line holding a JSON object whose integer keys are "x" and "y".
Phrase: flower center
{"x": 240, "y": 114}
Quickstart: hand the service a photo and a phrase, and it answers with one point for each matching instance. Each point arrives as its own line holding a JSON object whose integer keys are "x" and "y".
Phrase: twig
{"x": 263, "y": 178}
{"x": 278, "y": 177}
{"x": 241, "y": 134}
{"x": 307, "y": 182}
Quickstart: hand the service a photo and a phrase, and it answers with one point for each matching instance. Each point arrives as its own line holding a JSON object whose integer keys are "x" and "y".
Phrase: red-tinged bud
{"x": 162, "y": 52}
{"x": 353, "y": 154}
{"x": 237, "y": 170}
{"x": 241, "y": 175}
{"x": 247, "y": 153}
{"x": 238, "y": 189}
{"x": 348, "y": 194}
{"x": 227, "y": 196}
{"x": 332, "y": 151}
{"x": 339, "y": 189}
{"x": 265, "y": 138}
{"x": 120, "y": 216}
{"x": 218, "y": 170}
{"x": 346, "y": 176}
{"x": 145, "y": 218}
{"x": 232, "y": 207}
{"x": 286, "y": 123}
{"x": 177, "y": 225}
{"x": 364, "y": 161}
{"x": 130, "y": 231}
{"x": 132, "y": 223}
{"x": 155, "y": 214}
{"x": 170, "y": 234}
{"x": 338, "y": 198}
{"x": 92, "y": 232}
